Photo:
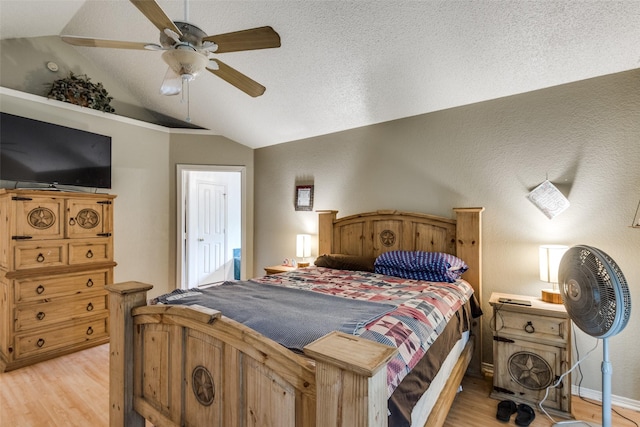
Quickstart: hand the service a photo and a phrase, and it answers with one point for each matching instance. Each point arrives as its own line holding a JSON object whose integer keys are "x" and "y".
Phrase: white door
{"x": 211, "y": 221}
{"x": 210, "y": 241}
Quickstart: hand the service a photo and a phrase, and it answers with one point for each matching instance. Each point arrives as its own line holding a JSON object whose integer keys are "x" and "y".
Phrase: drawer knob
{"x": 528, "y": 328}
{"x": 89, "y": 307}
{"x": 89, "y": 330}
{"x": 40, "y": 258}
{"x": 40, "y": 315}
{"x": 89, "y": 283}
{"x": 72, "y": 221}
{"x": 40, "y": 343}
{"x": 89, "y": 254}
{"x": 39, "y": 289}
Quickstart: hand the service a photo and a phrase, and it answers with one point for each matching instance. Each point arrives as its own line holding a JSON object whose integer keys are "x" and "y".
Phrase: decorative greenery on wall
{"x": 81, "y": 91}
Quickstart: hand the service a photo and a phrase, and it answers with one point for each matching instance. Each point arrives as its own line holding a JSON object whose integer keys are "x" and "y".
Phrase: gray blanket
{"x": 291, "y": 317}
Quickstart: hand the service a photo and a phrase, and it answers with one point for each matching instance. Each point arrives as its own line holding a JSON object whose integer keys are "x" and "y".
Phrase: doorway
{"x": 210, "y": 218}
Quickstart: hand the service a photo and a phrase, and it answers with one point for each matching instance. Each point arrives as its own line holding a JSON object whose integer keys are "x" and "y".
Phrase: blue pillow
{"x": 420, "y": 265}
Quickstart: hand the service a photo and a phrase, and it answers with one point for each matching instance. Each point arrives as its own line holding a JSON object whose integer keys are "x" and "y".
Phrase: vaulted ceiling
{"x": 347, "y": 64}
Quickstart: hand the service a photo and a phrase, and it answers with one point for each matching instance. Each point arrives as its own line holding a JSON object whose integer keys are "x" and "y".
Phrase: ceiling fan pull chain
{"x": 185, "y": 93}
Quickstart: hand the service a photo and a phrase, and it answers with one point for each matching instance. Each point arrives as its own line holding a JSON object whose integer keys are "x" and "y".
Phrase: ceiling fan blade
{"x": 237, "y": 79}
{"x": 256, "y": 38}
{"x": 89, "y": 42}
{"x": 172, "y": 83}
{"x": 156, "y": 15}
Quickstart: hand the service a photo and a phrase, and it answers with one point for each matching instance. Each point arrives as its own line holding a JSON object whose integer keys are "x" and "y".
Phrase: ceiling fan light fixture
{"x": 183, "y": 61}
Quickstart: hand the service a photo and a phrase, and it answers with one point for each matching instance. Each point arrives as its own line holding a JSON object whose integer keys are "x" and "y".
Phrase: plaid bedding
{"x": 422, "y": 308}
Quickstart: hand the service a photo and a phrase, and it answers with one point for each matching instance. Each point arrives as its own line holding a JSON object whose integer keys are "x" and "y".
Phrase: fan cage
{"x": 594, "y": 291}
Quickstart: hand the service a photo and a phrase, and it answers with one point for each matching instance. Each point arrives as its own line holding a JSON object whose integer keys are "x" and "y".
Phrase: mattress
{"x": 422, "y": 409}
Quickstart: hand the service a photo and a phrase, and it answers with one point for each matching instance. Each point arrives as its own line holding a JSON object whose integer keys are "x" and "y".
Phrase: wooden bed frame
{"x": 191, "y": 366}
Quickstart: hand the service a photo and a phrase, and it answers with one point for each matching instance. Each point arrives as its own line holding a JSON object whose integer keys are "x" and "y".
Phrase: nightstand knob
{"x": 528, "y": 328}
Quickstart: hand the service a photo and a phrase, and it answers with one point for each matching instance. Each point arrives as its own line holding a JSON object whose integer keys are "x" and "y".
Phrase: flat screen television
{"x": 32, "y": 151}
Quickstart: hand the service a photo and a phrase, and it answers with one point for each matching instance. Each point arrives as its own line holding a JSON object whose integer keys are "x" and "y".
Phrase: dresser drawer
{"x": 43, "y": 254}
{"x": 31, "y": 344}
{"x": 63, "y": 285}
{"x": 88, "y": 252}
{"x": 532, "y": 327}
{"x": 56, "y": 310}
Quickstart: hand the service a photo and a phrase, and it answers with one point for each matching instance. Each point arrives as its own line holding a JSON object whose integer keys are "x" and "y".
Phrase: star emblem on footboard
{"x": 203, "y": 387}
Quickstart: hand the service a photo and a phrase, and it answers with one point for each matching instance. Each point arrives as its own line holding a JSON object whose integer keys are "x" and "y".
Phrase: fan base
{"x": 552, "y": 296}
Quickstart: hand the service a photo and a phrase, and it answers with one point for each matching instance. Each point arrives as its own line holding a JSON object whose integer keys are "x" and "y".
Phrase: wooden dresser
{"x": 56, "y": 256}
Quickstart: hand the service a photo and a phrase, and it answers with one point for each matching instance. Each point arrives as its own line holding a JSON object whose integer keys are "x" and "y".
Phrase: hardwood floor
{"x": 474, "y": 408}
{"x": 73, "y": 390}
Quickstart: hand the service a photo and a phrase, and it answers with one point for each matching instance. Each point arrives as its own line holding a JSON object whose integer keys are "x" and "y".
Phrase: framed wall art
{"x": 304, "y": 197}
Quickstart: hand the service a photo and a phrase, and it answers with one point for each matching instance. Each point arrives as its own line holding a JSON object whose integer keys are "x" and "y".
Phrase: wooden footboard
{"x": 191, "y": 366}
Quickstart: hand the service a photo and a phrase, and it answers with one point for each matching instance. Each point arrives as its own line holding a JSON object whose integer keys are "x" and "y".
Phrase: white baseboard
{"x": 596, "y": 395}
{"x": 620, "y": 401}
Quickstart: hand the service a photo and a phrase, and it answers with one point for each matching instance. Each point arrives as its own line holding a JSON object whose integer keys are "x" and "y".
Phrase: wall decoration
{"x": 304, "y": 198}
{"x": 548, "y": 199}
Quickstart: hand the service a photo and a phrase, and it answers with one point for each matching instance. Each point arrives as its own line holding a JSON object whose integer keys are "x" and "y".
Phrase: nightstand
{"x": 531, "y": 350}
{"x": 276, "y": 269}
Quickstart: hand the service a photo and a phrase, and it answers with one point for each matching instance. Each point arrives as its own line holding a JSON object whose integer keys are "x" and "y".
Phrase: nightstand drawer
{"x": 532, "y": 327}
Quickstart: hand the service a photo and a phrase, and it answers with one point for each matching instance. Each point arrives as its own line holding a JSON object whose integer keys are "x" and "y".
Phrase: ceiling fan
{"x": 187, "y": 49}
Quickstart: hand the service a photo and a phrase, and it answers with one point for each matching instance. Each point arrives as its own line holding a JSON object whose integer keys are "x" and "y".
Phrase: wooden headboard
{"x": 372, "y": 233}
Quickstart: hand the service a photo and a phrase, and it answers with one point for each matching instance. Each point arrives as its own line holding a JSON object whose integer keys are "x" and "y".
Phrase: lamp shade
{"x": 185, "y": 62}
{"x": 550, "y": 256}
{"x": 303, "y": 245}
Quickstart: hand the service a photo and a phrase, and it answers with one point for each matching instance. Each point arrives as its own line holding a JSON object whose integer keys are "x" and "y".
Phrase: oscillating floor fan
{"x": 597, "y": 299}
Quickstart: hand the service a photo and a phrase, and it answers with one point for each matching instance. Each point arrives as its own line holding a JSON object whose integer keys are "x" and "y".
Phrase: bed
{"x": 191, "y": 365}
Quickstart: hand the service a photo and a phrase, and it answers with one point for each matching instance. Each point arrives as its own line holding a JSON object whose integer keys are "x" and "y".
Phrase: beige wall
{"x": 193, "y": 149}
{"x": 584, "y": 136}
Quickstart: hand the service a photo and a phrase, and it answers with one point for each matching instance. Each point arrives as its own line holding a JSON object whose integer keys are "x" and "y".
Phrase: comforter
{"x": 422, "y": 309}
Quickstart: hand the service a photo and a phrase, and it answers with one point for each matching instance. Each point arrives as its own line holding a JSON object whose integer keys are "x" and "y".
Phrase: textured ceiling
{"x": 346, "y": 64}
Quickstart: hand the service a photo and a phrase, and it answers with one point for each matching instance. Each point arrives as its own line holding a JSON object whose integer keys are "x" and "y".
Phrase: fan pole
{"x": 606, "y": 384}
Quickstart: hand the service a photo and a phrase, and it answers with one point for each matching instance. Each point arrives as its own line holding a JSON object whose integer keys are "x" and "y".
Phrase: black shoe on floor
{"x": 506, "y": 408}
{"x": 525, "y": 415}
